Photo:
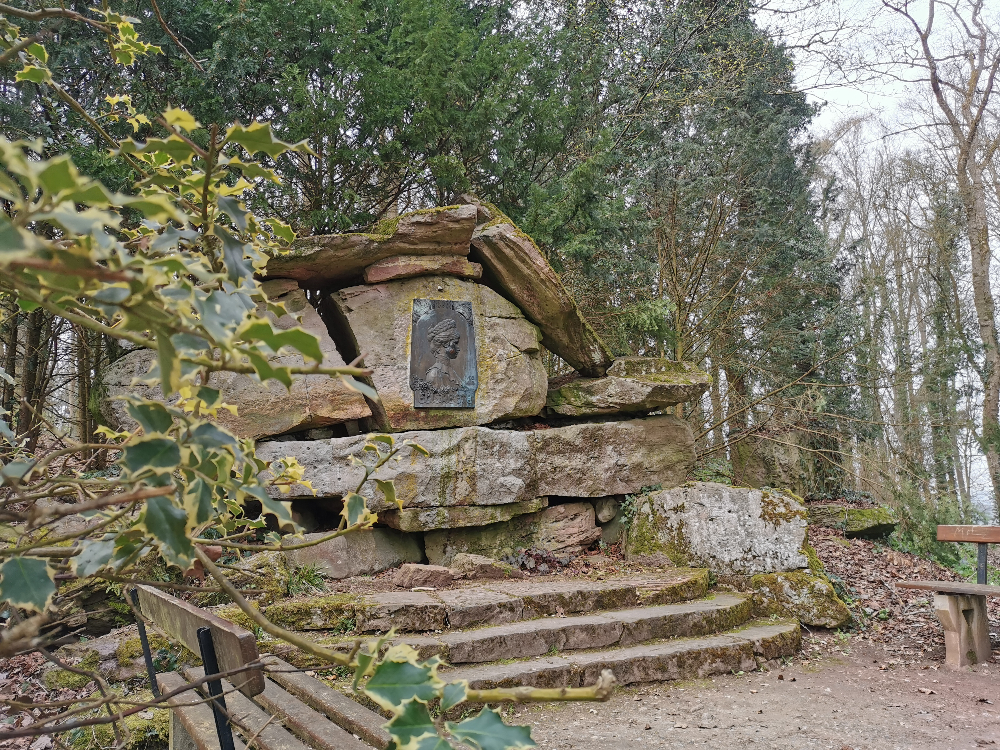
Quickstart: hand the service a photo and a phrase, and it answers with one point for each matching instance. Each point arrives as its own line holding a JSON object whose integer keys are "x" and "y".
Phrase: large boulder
{"x": 379, "y": 318}
{"x": 808, "y": 597}
{"x": 668, "y": 383}
{"x": 731, "y": 530}
{"x": 524, "y": 275}
{"x": 329, "y": 259}
{"x": 567, "y": 529}
{"x": 479, "y": 466}
{"x": 361, "y": 553}
{"x": 261, "y": 408}
{"x": 856, "y": 523}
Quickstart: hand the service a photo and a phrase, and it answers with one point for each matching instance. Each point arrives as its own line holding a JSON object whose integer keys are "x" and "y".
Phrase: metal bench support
{"x": 981, "y": 563}
{"x": 146, "y": 653}
{"x": 211, "y": 663}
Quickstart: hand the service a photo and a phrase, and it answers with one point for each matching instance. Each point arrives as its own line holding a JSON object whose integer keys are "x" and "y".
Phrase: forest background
{"x": 835, "y": 283}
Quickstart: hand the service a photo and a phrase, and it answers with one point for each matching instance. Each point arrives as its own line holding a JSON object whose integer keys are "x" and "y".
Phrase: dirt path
{"x": 848, "y": 697}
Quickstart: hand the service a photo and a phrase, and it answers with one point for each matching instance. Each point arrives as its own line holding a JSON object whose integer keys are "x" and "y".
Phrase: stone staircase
{"x": 564, "y": 632}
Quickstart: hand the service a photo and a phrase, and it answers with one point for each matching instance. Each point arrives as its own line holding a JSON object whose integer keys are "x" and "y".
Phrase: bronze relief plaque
{"x": 443, "y": 368}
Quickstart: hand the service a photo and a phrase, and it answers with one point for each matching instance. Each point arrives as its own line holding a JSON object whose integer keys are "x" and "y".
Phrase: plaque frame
{"x": 444, "y": 370}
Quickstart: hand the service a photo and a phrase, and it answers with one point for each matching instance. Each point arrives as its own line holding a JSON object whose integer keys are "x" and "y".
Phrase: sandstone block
{"x": 731, "y": 530}
{"x": 512, "y": 379}
{"x": 324, "y": 260}
{"x": 361, "y": 553}
{"x": 479, "y": 466}
{"x": 262, "y": 408}
{"x": 567, "y": 529}
{"x": 408, "y": 266}
{"x": 579, "y": 397}
{"x": 419, "y": 519}
{"x": 478, "y": 566}
{"x": 526, "y": 277}
{"x": 809, "y": 598}
{"x": 612, "y": 458}
{"x": 411, "y": 575}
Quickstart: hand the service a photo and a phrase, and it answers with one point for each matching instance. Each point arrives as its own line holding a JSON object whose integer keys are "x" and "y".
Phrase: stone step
{"x": 677, "y": 659}
{"x": 487, "y": 604}
{"x": 622, "y": 628}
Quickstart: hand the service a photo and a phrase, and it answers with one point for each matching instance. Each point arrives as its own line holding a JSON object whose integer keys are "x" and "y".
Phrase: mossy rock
{"x": 800, "y": 594}
{"x": 337, "y": 613}
{"x": 856, "y": 523}
{"x": 56, "y": 679}
{"x": 145, "y": 730}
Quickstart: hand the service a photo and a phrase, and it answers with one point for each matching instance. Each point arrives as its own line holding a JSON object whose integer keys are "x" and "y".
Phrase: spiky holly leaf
{"x": 168, "y": 525}
{"x": 453, "y": 694}
{"x": 487, "y": 731}
{"x": 156, "y": 455}
{"x": 400, "y": 678}
{"x": 27, "y": 582}
{"x": 412, "y": 722}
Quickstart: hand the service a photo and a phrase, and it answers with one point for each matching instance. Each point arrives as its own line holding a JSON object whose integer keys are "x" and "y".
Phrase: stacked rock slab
{"x": 262, "y": 409}
{"x": 513, "y": 460}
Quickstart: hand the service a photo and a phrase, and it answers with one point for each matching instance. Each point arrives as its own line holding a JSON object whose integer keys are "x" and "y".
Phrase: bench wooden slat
{"x": 951, "y": 587}
{"x": 311, "y": 727}
{"x": 977, "y": 534}
{"x": 194, "y": 716}
{"x": 349, "y": 714}
{"x": 252, "y": 720}
{"x": 179, "y": 620}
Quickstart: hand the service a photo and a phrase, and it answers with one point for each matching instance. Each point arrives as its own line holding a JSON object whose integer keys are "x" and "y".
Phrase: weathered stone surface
{"x": 606, "y": 508}
{"x": 262, "y": 408}
{"x": 512, "y": 379}
{"x": 324, "y": 260}
{"x": 728, "y": 529}
{"x": 408, "y": 266}
{"x": 623, "y": 628}
{"x": 526, "y": 277}
{"x": 809, "y": 598}
{"x": 856, "y": 523}
{"x": 580, "y": 397}
{"x": 567, "y": 529}
{"x": 478, "y": 466}
{"x": 412, "y": 575}
{"x": 421, "y": 519}
{"x": 612, "y": 458}
{"x": 361, "y": 553}
{"x": 471, "y": 607}
{"x": 478, "y": 566}
{"x": 673, "y": 660}
{"x": 408, "y": 611}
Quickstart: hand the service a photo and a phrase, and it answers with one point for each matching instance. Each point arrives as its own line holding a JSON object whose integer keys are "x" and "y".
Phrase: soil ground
{"x": 847, "y": 696}
{"x": 881, "y": 685}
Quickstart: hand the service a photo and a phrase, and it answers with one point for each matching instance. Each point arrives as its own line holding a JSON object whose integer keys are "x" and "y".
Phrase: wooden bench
{"x": 961, "y": 607}
{"x": 278, "y": 706}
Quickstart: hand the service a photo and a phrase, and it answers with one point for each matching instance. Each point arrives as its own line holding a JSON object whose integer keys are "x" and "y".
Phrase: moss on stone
{"x": 131, "y": 648}
{"x": 815, "y": 564}
{"x": 145, "y": 730}
{"x": 865, "y": 523}
{"x": 337, "y": 613}
{"x": 800, "y": 594}
{"x": 778, "y": 507}
{"x": 63, "y": 678}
